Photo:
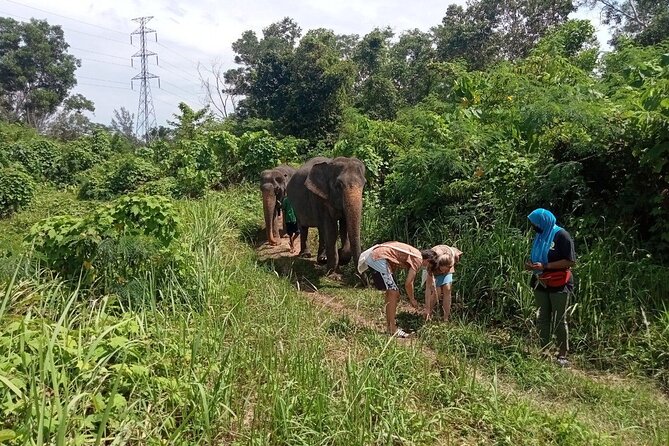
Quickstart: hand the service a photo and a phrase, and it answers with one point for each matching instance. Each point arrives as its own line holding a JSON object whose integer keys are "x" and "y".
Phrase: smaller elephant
{"x": 273, "y": 184}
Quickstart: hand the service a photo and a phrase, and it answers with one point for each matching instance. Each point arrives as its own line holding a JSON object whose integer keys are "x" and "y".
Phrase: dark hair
{"x": 428, "y": 254}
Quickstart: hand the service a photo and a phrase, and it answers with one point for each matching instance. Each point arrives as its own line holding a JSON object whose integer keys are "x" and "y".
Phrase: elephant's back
{"x": 286, "y": 169}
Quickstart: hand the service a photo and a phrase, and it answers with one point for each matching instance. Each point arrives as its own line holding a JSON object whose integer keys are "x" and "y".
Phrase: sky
{"x": 196, "y": 32}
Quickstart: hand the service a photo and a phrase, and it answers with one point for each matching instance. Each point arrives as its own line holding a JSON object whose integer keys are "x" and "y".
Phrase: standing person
{"x": 292, "y": 228}
{"x": 439, "y": 278}
{"x": 386, "y": 259}
{"x": 551, "y": 260}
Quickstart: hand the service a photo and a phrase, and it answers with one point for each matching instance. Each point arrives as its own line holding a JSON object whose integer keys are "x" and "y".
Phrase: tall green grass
{"x": 226, "y": 352}
{"x": 618, "y": 315}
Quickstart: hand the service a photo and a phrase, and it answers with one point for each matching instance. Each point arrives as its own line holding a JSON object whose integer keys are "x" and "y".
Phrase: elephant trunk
{"x": 269, "y": 208}
{"x": 353, "y": 215}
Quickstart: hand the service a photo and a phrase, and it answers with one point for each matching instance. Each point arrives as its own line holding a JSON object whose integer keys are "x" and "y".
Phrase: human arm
{"x": 408, "y": 286}
{"x": 557, "y": 265}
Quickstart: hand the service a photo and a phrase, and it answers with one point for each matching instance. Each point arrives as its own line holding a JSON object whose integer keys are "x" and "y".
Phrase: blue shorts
{"x": 443, "y": 279}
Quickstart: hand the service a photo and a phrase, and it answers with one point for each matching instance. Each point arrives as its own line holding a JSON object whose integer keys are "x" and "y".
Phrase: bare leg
{"x": 446, "y": 304}
{"x": 392, "y": 296}
{"x": 430, "y": 300}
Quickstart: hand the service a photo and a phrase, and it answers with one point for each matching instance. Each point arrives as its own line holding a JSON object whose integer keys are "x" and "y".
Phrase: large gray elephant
{"x": 273, "y": 184}
{"x": 327, "y": 194}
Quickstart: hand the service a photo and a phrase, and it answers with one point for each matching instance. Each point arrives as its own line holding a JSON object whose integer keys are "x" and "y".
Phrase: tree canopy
{"x": 36, "y": 72}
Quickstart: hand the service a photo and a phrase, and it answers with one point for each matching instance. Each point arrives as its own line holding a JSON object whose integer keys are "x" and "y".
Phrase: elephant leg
{"x": 330, "y": 230}
{"x": 345, "y": 251}
{"x": 269, "y": 210}
{"x": 321, "y": 258}
{"x": 277, "y": 221}
{"x": 304, "y": 247}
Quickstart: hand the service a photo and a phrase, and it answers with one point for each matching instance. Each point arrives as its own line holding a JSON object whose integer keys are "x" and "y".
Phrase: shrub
{"x": 38, "y": 157}
{"x": 16, "y": 190}
{"x": 76, "y": 157}
{"x": 260, "y": 151}
{"x": 116, "y": 242}
{"x": 119, "y": 176}
{"x": 132, "y": 172}
{"x": 166, "y": 187}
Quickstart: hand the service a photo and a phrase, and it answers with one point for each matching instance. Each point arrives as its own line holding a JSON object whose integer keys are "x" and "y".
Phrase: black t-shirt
{"x": 562, "y": 248}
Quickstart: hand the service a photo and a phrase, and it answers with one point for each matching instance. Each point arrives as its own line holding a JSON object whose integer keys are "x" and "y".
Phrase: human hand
{"x": 534, "y": 266}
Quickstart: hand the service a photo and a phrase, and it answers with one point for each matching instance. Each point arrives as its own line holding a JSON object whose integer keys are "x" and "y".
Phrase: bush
{"x": 38, "y": 157}
{"x": 116, "y": 177}
{"x": 76, "y": 157}
{"x": 260, "y": 151}
{"x": 166, "y": 187}
{"x": 115, "y": 243}
{"x": 16, "y": 190}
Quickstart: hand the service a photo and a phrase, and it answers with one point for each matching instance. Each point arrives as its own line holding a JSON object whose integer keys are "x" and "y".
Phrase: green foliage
{"x": 16, "y": 190}
{"x": 166, "y": 186}
{"x": 116, "y": 242}
{"x": 38, "y": 157}
{"x": 187, "y": 124}
{"x": 37, "y": 72}
{"x": 75, "y": 157}
{"x": 260, "y": 151}
{"x": 118, "y": 176}
{"x": 301, "y": 89}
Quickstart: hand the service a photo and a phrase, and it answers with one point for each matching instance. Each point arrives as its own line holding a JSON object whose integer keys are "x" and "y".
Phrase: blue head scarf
{"x": 545, "y": 220}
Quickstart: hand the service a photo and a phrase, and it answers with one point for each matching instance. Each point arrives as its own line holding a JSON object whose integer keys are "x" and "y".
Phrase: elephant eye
{"x": 279, "y": 179}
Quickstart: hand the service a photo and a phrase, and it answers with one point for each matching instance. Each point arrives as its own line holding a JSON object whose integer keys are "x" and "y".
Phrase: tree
{"x": 123, "y": 123}
{"x": 376, "y": 93}
{"x": 575, "y": 41}
{"x": 301, "y": 89}
{"x": 320, "y": 83}
{"x": 189, "y": 121}
{"x": 647, "y": 21}
{"x": 488, "y": 31}
{"x": 220, "y": 94}
{"x": 466, "y": 34}
{"x": 410, "y": 60}
{"x": 70, "y": 122}
{"x": 36, "y": 73}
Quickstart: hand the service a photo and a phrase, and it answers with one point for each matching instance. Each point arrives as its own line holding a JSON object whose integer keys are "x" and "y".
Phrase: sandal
{"x": 562, "y": 361}
{"x": 401, "y": 334}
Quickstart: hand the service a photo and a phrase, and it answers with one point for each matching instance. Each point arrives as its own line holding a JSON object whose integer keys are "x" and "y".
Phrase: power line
{"x": 101, "y": 80}
{"x": 175, "y": 67}
{"x": 177, "y": 53}
{"x": 66, "y": 17}
{"x": 27, "y": 19}
{"x": 98, "y": 53}
{"x": 104, "y": 61}
{"x": 174, "y": 73}
{"x": 180, "y": 98}
{"x": 179, "y": 88}
{"x": 84, "y": 84}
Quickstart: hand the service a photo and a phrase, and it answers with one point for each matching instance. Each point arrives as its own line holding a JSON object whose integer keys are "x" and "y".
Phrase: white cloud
{"x": 196, "y": 31}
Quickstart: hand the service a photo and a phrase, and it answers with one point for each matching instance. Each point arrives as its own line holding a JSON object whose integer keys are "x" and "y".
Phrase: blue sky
{"x": 199, "y": 32}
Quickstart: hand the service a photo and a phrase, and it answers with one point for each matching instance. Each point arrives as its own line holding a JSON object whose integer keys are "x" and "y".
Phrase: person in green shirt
{"x": 290, "y": 220}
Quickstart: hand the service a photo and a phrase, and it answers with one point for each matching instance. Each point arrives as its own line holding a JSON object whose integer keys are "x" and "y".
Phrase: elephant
{"x": 327, "y": 194}
{"x": 273, "y": 187}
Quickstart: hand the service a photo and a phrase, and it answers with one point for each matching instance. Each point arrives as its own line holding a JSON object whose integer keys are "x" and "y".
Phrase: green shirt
{"x": 289, "y": 212}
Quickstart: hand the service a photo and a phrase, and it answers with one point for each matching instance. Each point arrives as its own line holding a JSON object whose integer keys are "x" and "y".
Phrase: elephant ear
{"x": 317, "y": 180}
